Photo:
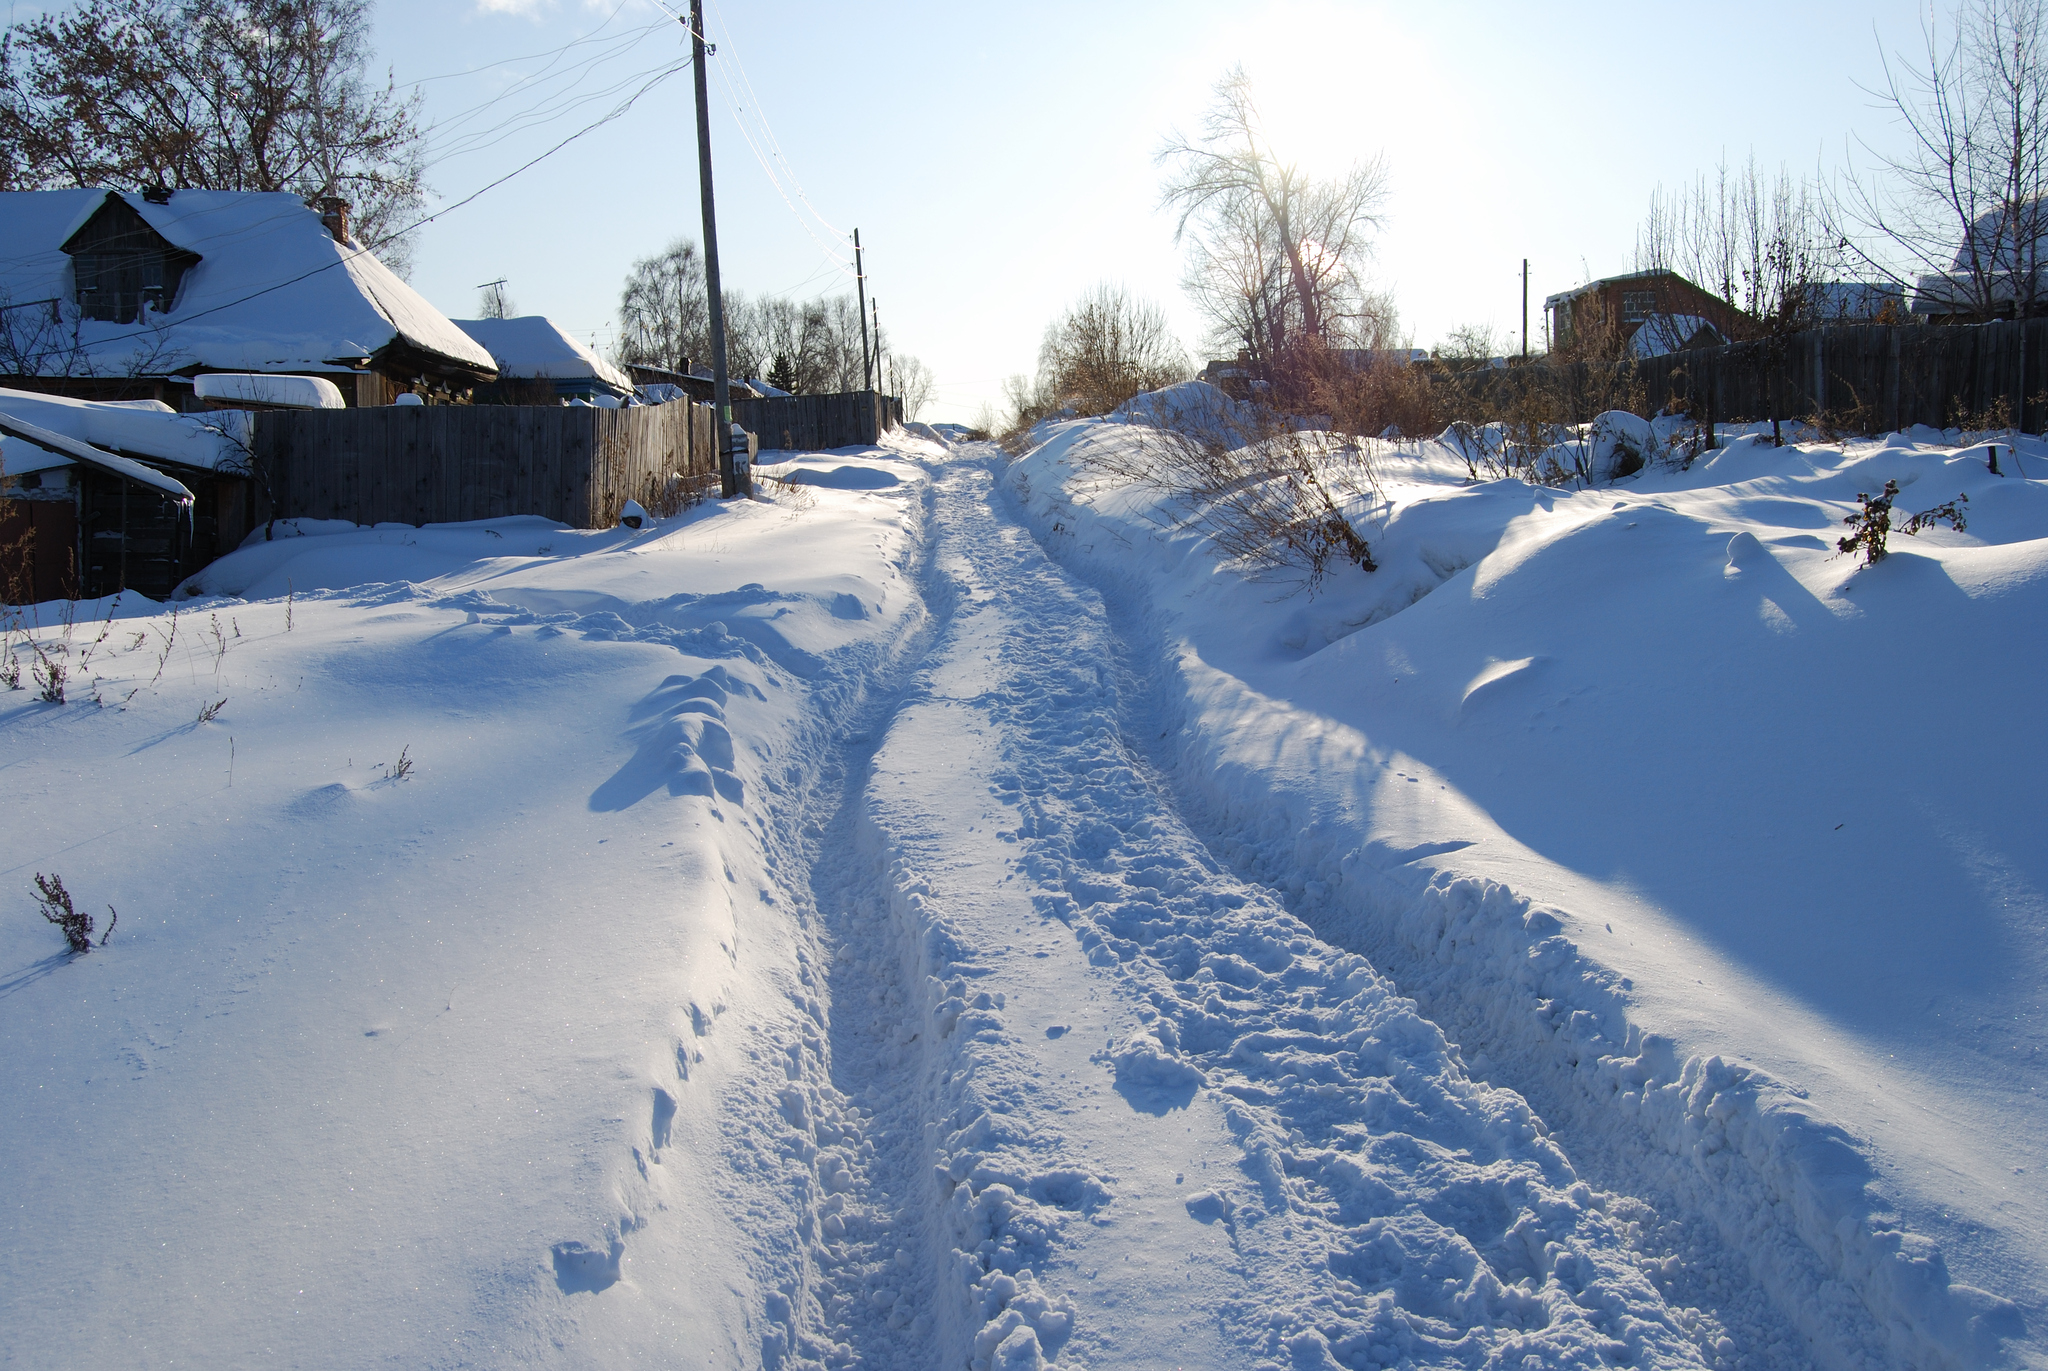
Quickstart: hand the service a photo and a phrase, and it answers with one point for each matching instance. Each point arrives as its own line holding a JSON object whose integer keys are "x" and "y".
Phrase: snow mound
{"x": 1571, "y": 769}
{"x": 1193, "y": 407}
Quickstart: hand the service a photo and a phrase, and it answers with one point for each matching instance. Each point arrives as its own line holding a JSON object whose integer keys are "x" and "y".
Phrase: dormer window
{"x": 122, "y": 268}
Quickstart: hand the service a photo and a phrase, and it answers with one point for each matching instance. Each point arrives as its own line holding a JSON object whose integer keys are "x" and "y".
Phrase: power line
{"x": 350, "y": 255}
{"x": 545, "y": 52}
{"x": 761, "y": 112}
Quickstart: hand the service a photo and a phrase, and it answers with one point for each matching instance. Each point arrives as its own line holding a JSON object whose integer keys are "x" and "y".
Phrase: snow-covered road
{"x": 822, "y": 931}
{"x": 1120, "y": 1106}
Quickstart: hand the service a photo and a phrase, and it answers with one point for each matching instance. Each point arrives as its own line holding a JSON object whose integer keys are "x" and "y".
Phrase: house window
{"x": 116, "y": 285}
{"x": 1638, "y": 305}
{"x": 122, "y": 268}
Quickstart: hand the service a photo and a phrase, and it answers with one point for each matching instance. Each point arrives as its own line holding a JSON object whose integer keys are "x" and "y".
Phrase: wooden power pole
{"x": 860, "y": 282}
{"x": 1525, "y": 307}
{"x": 732, "y": 480}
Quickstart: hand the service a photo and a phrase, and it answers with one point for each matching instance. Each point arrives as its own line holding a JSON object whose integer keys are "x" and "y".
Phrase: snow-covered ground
{"x": 1719, "y": 847}
{"x": 940, "y": 915}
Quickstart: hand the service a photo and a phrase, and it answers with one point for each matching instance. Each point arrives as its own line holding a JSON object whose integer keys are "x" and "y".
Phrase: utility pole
{"x": 875, "y": 316}
{"x": 860, "y": 282}
{"x": 1525, "y": 307}
{"x": 731, "y": 482}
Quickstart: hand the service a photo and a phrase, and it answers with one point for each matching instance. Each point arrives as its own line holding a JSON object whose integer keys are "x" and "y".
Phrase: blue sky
{"x": 998, "y": 159}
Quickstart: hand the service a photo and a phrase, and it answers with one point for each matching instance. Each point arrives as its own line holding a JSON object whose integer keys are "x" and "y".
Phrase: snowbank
{"x": 452, "y": 943}
{"x": 1616, "y": 782}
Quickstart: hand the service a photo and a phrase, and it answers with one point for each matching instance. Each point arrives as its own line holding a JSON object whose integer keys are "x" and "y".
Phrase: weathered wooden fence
{"x": 420, "y": 464}
{"x": 812, "y": 423}
{"x": 1865, "y": 377}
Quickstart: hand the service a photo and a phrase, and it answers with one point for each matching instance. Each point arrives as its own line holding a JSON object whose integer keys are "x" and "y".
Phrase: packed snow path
{"x": 1094, "y": 1098}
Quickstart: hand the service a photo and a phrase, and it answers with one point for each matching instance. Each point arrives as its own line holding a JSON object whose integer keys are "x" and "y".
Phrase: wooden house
{"x": 109, "y": 295}
{"x": 1678, "y": 313}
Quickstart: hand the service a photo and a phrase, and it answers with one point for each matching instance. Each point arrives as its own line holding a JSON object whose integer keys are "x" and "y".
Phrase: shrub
{"x": 49, "y": 673}
{"x": 56, "y": 907}
{"x": 1269, "y": 496}
{"x": 1870, "y": 526}
{"x": 1947, "y": 512}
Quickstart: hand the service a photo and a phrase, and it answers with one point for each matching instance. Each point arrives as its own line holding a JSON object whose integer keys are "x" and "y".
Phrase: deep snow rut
{"x": 1088, "y": 1098}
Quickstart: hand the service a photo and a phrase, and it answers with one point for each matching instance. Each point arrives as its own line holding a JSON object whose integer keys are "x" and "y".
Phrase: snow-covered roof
{"x": 1959, "y": 293}
{"x": 24, "y": 432}
{"x": 272, "y": 290}
{"x": 262, "y": 388}
{"x": 1993, "y": 257}
{"x": 1663, "y": 333}
{"x": 2006, "y": 239}
{"x": 1854, "y": 300}
{"x": 147, "y": 429}
{"x": 535, "y": 346}
{"x": 1552, "y": 301}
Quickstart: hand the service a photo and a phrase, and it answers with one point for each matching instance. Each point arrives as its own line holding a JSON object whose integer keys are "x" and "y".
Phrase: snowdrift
{"x": 1711, "y": 841}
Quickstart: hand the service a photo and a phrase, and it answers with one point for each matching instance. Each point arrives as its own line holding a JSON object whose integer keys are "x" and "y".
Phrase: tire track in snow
{"x": 1084, "y": 1001}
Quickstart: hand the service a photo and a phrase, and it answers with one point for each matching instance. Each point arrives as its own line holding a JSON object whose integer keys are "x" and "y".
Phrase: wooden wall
{"x": 815, "y": 423}
{"x": 38, "y": 550}
{"x": 1868, "y": 377}
{"x": 420, "y": 464}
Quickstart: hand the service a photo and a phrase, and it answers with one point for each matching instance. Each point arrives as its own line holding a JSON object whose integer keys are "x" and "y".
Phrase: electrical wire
{"x": 829, "y": 251}
{"x": 545, "y": 52}
{"x": 350, "y": 255}
{"x": 760, "y": 112}
{"x": 616, "y": 45}
{"x": 450, "y": 137}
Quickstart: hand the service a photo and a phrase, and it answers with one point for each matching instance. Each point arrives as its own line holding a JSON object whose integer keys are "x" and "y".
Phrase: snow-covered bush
{"x": 1620, "y": 444}
{"x": 1270, "y": 497}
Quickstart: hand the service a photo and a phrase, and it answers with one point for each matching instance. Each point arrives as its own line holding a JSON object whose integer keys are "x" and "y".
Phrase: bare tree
{"x": 1107, "y": 347}
{"x": 1277, "y": 253}
{"x": 493, "y": 303}
{"x": 665, "y": 321}
{"x": 1759, "y": 243}
{"x": 262, "y": 95}
{"x": 664, "y": 313}
{"x": 1469, "y": 344}
{"x": 1958, "y": 208}
{"x": 914, "y": 383}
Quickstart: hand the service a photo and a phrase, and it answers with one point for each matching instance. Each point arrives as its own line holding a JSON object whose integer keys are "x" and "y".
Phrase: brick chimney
{"x": 334, "y": 215}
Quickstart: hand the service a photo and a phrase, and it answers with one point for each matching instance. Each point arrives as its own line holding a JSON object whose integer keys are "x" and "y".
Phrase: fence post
{"x": 1891, "y": 378}
{"x": 1820, "y": 371}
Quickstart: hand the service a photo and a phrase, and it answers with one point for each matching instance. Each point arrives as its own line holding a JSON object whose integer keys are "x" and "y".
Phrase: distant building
{"x": 540, "y": 363}
{"x": 694, "y": 381}
{"x": 1989, "y": 278}
{"x": 1667, "y": 333}
{"x": 1677, "y": 310}
{"x": 1857, "y": 302}
{"x": 1235, "y": 377}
